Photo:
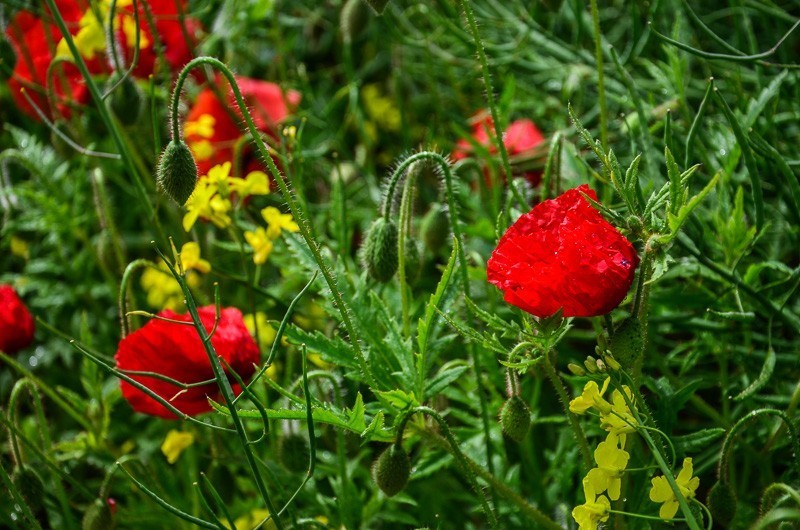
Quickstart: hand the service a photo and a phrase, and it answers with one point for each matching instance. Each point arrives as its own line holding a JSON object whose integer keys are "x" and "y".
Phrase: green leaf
{"x": 331, "y": 349}
{"x": 425, "y": 323}
{"x": 442, "y": 379}
{"x": 763, "y": 377}
{"x": 676, "y": 197}
{"x": 698, "y": 440}
{"x": 356, "y": 420}
{"x": 397, "y": 399}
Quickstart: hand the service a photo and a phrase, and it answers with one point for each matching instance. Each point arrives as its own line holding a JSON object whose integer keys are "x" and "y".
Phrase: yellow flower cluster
{"x": 163, "y": 292}
{"x": 261, "y": 240}
{"x": 211, "y": 197}
{"x": 91, "y": 37}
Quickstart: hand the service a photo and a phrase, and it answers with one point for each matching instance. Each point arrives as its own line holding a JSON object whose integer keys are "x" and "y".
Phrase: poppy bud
{"x": 353, "y": 19}
{"x": 8, "y": 59}
{"x": 99, "y": 516}
{"x": 30, "y": 486}
{"x": 379, "y": 253}
{"x": 626, "y": 345}
{"x": 293, "y": 452}
{"x": 435, "y": 228}
{"x": 391, "y": 470}
{"x": 378, "y": 5}
{"x": 126, "y": 99}
{"x": 515, "y": 418}
{"x": 413, "y": 260}
{"x": 177, "y": 171}
{"x": 722, "y": 502}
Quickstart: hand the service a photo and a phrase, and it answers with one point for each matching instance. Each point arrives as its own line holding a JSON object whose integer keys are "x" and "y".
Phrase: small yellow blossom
{"x": 203, "y": 126}
{"x": 19, "y": 248}
{"x": 163, "y": 291}
{"x": 662, "y": 492}
{"x": 202, "y": 150}
{"x": 206, "y": 203}
{"x": 381, "y": 109}
{"x": 619, "y": 420}
{"x": 611, "y": 461}
{"x": 175, "y": 443}
{"x": 595, "y": 510}
{"x": 592, "y": 397}
{"x": 190, "y": 258}
{"x": 219, "y": 176}
{"x": 278, "y": 221}
{"x": 255, "y": 183}
{"x": 261, "y": 243}
{"x": 252, "y": 520}
{"x": 91, "y": 36}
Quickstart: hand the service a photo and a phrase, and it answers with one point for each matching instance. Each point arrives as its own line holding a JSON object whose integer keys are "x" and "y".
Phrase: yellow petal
{"x": 175, "y": 443}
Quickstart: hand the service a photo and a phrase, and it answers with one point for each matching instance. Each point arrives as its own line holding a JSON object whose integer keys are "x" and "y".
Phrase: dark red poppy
{"x": 563, "y": 255}
{"x": 520, "y": 139}
{"x": 211, "y": 127}
{"x": 175, "y": 350}
{"x": 16, "y": 322}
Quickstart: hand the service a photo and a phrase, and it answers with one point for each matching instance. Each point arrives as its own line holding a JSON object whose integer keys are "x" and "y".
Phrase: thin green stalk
{"x": 601, "y": 83}
{"x": 406, "y": 205}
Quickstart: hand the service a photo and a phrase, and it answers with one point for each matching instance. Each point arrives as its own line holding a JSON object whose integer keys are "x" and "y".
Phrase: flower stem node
{"x": 391, "y": 470}
{"x": 626, "y": 345}
{"x": 99, "y": 516}
{"x": 515, "y": 418}
{"x": 8, "y": 59}
{"x": 722, "y": 502}
{"x": 379, "y": 253}
{"x": 126, "y": 99}
{"x": 293, "y": 451}
{"x": 177, "y": 171}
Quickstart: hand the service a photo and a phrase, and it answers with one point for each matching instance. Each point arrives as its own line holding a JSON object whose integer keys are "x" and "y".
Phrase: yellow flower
{"x": 619, "y": 420}
{"x": 278, "y": 221}
{"x": 219, "y": 175}
{"x": 592, "y": 397}
{"x": 190, "y": 258}
{"x": 19, "y": 248}
{"x": 662, "y": 492}
{"x": 252, "y": 519}
{"x": 595, "y": 510}
{"x": 611, "y": 461}
{"x": 163, "y": 291}
{"x": 201, "y": 149}
{"x": 261, "y": 243}
{"x": 255, "y": 183}
{"x": 203, "y": 126}
{"x": 381, "y": 109}
{"x": 206, "y": 203}
{"x": 175, "y": 443}
{"x": 91, "y": 36}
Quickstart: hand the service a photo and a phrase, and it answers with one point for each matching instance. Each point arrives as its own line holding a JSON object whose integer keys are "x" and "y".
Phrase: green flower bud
{"x": 177, "y": 171}
{"x": 515, "y": 418}
{"x": 591, "y": 364}
{"x": 722, "y": 502}
{"x": 391, "y": 470}
{"x": 612, "y": 362}
{"x": 377, "y": 5}
{"x": 435, "y": 228}
{"x": 379, "y": 253}
{"x": 8, "y": 59}
{"x": 126, "y": 99}
{"x": 413, "y": 260}
{"x": 30, "y": 486}
{"x": 353, "y": 19}
{"x": 575, "y": 369}
{"x": 626, "y": 345}
{"x": 293, "y": 452}
{"x": 98, "y": 517}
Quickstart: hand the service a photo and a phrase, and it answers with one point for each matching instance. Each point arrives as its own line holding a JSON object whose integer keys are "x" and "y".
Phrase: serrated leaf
{"x": 442, "y": 379}
{"x": 397, "y": 399}
{"x": 356, "y": 420}
{"x": 674, "y": 174}
{"x": 763, "y": 377}
{"x": 375, "y": 426}
{"x": 425, "y": 323}
{"x": 333, "y": 350}
{"x": 506, "y": 328}
{"x": 698, "y": 440}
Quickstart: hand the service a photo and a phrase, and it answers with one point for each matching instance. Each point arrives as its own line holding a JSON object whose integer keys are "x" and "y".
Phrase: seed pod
{"x": 8, "y": 59}
{"x": 30, "y": 486}
{"x": 126, "y": 99}
{"x": 99, "y": 516}
{"x": 293, "y": 452}
{"x": 435, "y": 228}
{"x": 626, "y": 345}
{"x": 515, "y": 418}
{"x": 722, "y": 502}
{"x": 391, "y": 470}
{"x": 379, "y": 253}
{"x": 177, "y": 171}
{"x": 413, "y": 260}
{"x": 353, "y": 19}
{"x": 378, "y": 5}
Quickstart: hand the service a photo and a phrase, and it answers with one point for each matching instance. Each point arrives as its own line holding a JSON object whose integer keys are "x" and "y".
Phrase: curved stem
{"x": 601, "y": 83}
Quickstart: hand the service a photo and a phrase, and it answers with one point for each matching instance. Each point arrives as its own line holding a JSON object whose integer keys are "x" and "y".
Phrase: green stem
{"x": 601, "y": 83}
{"x": 406, "y": 205}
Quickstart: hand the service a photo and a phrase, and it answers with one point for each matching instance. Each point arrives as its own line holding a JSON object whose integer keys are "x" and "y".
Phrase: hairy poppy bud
{"x": 126, "y": 99}
{"x": 99, "y": 516}
{"x": 378, "y": 5}
{"x": 353, "y": 19}
{"x": 435, "y": 228}
{"x": 391, "y": 470}
{"x": 293, "y": 452}
{"x": 379, "y": 253}
{"x": 626, "y": 345}
{"x": 30, "y": 486}
{"x": 8, "y": 59}
{"x": 413, "y": 260}
{"x": 515, "y": 418}
{"x": 177, "y": 171}
{"x": 722, "y": 502}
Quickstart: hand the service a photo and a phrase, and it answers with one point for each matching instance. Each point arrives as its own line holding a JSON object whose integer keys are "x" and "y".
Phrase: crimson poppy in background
{"x": 211, "y": 127}
{"x": 37, "y": 42}
{"x": 520, "y": 139}
{"x": 563, "y": 255}
{"x": 16, "y": 322}
{"x": 176, "y": 351}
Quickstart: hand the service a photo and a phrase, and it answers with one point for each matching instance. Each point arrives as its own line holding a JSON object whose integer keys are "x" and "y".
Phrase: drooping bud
{"x": 435, "y": 228}
{"x": 626, "y": 345}
{"x": 293, "y": 452}
{"x": 515, "y": 418}
{"x": 391, "y": 470}
{"x": 353, "y": 19}
{"x": 722, "y": 502}
{"x": 377, "y": 5}
{"x": 126, "y": 99}
{"x": 99, "y": 516}
{"x": 8, "y": 59}
{"x": 177, "y": 171}
{"x": 379, "y": 253}
{"x": 413, "y": 260}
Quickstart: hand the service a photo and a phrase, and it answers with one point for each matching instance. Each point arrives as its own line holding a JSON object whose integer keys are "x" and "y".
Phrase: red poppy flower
{"x": 563, "y": 255}
{"x": 211, "y": 127}
{"x": 16, "y": 323}
{"x": 175, "y": 350}
{"x": 520, "y": 139}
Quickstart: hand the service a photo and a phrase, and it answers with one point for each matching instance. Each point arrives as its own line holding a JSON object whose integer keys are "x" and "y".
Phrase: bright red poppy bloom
{"x": 563, "y": 255}
{"x": 175, "y": 350}
{"x": 521, "y": 138}
{"x": 211, "y": 127}
{"x": 37, "y": 41}
{"x": 16, "y": 322}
